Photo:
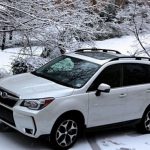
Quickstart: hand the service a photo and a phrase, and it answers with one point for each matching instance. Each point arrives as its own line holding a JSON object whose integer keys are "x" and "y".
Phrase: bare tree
{"x": 135, "y": 18}
{"x": 137, "y": 29}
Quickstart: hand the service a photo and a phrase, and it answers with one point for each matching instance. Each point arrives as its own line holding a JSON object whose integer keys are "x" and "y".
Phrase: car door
{"x": 136, "y": 82}
{"x": 109, "y": 107}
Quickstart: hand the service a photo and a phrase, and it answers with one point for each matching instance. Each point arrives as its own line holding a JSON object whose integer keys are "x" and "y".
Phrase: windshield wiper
{"x": 38, "y": 74}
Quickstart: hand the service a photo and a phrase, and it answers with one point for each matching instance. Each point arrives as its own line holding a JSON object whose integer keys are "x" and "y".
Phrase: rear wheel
{"x": 144, "y": 125}
{"x": 65, "y": 133}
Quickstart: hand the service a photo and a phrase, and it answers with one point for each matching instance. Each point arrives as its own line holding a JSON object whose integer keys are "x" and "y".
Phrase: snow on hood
{"x": 29, "y": 86}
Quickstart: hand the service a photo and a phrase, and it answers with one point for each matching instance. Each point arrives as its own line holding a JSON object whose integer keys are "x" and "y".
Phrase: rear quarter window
{"x": 134, "y": 74}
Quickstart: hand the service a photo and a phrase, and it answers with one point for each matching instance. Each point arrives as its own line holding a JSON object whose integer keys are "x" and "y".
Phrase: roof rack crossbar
{"x": 96, "y": 49}
{"x": 130, "y": 57}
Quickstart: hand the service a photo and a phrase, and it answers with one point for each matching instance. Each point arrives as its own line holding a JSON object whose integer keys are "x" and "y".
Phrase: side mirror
{"x": 103, "y": 88}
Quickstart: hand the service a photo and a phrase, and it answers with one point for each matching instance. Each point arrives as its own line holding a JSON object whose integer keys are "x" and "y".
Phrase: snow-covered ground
{"x": 128, "y": 139}
{"x": 126, "y": 45}
{"x": 124, "y": 141}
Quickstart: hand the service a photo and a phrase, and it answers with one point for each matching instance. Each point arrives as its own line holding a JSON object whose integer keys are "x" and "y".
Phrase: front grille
{"x": 7, "y": 115}
{"x": 8, "y": 99}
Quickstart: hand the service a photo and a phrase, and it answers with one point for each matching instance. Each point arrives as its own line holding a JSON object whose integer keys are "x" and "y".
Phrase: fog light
{"x": 29, "y": 131}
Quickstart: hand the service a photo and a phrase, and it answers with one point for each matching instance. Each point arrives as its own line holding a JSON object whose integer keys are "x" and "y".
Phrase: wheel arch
{"x": 75, "y": 114}
{"x": 147, "y": 108}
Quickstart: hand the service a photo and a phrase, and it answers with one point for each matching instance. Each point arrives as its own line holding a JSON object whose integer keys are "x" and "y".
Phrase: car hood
{"x": 29, "y": 86}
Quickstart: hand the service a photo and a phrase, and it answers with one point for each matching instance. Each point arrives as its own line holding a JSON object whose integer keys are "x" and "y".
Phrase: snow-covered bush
{"x": 3, "y": 73}
{"x": 111, "y": 30}
{"x": 22, "y": 65}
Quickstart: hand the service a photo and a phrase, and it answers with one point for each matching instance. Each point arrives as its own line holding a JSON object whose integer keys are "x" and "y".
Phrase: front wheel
{"x": 4, "y": 127}
{"x": 65, "y": 133}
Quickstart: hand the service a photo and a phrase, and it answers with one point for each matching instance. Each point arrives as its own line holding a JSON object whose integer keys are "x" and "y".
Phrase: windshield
{"x": 68, "y": 71}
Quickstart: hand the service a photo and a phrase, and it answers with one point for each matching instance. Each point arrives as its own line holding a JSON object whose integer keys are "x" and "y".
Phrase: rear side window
{"x": 134, "y": 74}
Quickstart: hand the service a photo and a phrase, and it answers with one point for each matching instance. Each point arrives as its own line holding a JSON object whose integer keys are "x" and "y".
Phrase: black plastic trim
{"x": 34, "y": 125}
{"x": 97, "y": 49}
{"x": 114, "y": 125}
{"x": 131, "y": 57}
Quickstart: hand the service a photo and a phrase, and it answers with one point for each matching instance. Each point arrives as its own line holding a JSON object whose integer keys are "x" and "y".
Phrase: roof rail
{"x": 131, "y": 57}
{"x": 97, "y": 49}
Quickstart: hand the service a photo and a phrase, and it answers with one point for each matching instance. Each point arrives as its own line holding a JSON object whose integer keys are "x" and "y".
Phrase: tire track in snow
{"x": 93, "y": 144}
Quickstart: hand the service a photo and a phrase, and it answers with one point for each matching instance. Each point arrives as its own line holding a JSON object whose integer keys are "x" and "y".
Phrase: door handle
{"x": 148, "y": 91}
{"x": 123, "y": 95}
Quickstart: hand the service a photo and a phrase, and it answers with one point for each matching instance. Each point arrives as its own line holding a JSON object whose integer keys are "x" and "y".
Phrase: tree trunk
{"x": 94, "y": 2}
{"x": 4, "y": 39}
{"x": 120, "y": 3}
{"x": 11, "y": 35}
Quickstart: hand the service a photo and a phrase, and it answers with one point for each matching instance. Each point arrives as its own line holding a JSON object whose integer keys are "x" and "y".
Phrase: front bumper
{"x": 26, "y": 121}
{"x": 25, "y": 124}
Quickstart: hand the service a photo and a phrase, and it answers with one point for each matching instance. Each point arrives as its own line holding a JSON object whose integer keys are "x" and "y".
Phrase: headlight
{"x": 37, "y": 104}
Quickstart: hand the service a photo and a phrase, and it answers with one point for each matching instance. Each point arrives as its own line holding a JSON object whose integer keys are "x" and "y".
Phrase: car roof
{"x": 99, "y": 56}
{"x": 102, "y": 56}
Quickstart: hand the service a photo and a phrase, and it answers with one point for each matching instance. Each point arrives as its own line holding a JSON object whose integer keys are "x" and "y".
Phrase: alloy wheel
{"x": 147, "y": 121}
{"x": 66, "y": 133}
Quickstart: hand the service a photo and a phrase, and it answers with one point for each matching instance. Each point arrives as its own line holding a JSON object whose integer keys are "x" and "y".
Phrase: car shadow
{"x": 99, "y": 133}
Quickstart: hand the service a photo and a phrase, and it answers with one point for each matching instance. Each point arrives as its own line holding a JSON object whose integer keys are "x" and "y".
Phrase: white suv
{"x": 83, "y": 89}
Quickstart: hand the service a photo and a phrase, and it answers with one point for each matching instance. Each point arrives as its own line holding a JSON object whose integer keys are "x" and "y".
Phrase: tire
{"x": 144, "y": 126}
{"x": 4, "y": 127}
{"x": 65, "y": 133}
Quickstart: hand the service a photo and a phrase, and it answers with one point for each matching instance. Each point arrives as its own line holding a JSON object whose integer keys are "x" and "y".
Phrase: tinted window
{"x": 148, "y": 77}
{"x": 110, "y": 75}
{"x": 135, "y": 74}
